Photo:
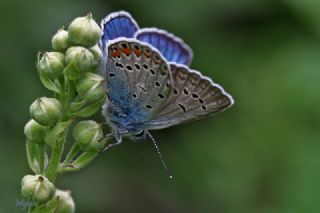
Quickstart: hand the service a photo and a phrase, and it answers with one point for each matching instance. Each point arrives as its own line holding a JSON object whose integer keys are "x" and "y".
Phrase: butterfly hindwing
{"x": 171, "y": 47}
{"x": 138, "y": 80}
{"x": 193, "y": 97}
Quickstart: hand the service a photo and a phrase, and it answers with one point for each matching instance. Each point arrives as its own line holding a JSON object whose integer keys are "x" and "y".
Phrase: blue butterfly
{"x": 149, "y": 82}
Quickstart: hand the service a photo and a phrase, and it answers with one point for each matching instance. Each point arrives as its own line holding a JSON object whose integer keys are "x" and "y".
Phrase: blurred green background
{"x": 261, "y": 155}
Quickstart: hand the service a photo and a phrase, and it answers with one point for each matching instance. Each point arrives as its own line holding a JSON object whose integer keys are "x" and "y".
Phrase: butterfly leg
{"x": 118, "y": 137}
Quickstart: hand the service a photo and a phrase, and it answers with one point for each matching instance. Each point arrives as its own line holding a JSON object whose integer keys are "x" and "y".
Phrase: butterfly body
{"x": 148, "y": 81}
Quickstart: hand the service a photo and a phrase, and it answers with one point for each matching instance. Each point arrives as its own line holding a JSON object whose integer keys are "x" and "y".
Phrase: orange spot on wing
{"x": 126, "y": 51}
{"x": 115, "y": 54}
{"x": 137, "y": 52}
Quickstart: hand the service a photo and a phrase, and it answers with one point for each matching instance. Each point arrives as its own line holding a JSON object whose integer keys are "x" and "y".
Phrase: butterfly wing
{"x": 143, "y": 91}
{"x": 193, "y": 97}
{"x": 138, "y": 82}
{"x": 117, "y": 24}
{"x": 171, "y": 47}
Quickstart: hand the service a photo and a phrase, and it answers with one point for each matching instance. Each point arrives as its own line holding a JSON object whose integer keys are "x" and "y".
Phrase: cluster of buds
{"x": 40, "y": 190}
{"x": 69, "y": 72}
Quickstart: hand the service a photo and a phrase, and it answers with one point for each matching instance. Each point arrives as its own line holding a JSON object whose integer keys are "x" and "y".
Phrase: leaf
{"x": 52, "y": 86}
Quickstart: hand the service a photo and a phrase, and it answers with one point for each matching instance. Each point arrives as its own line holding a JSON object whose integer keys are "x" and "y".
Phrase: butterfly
{"x": 149, "y": 82}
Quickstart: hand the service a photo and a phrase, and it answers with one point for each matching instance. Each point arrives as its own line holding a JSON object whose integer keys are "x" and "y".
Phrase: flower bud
{"x": 37, "y": 188}
{"x": 82, "y": 58}
{"x": 97, "y": 53}
{"x": 60, "y": 41}
{"x": 35, "y": 132}
{"x": 84, "y": 31}
{"x": 46, "y": 111}
{"x": 87, "y": 135}
{"x": 91, "y": 87}
{"x": 51, "y": 64}
{"x": 62, "y": 202}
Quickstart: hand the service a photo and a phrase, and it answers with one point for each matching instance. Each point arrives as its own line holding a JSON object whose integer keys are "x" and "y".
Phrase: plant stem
{"x": 41, "y": 153}
{"x": 72, "y": 153}
{"x": 55, "y": 160}
{"x": 56, "y": 153}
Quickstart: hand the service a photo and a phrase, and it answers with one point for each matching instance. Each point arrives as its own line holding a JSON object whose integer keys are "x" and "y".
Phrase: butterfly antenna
{"x": 160, "y": 155}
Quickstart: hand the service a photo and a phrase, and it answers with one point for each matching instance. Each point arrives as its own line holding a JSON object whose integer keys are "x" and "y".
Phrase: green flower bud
{"x": 91, "y": 87}
{"x": 37, "y": 188}
{"x": 35, "y": 132}
{"x": 82, "y": 58}
{"x": 87, "y": 135}
{"x": 84, "y": 31}
{"x": 51, "y": 64}
{"x": 46, "y": 111}
{"x": 60, "y": 41}
{"x": 97, "y": 53}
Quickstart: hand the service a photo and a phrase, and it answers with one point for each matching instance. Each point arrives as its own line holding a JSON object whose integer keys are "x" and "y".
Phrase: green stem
{"x": 41, "y": 153}
{"x": 55, "y": 157}
{"x": 72, "y": 153}
{"x": 57, "y": 145}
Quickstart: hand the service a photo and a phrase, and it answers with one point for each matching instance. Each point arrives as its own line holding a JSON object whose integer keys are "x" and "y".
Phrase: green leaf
{"x": 83, "y": 160}
{"x": 52, "y": 86}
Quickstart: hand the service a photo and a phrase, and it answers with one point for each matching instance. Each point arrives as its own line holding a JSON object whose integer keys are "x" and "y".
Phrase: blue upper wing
{"x": 170, "y": 46}
{"x": 117, "y": 24}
